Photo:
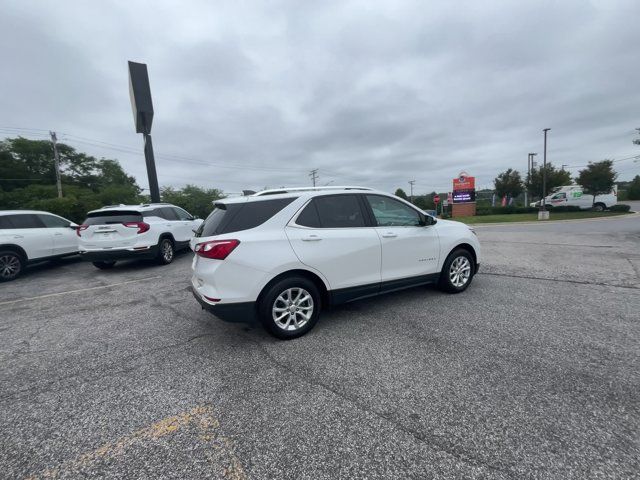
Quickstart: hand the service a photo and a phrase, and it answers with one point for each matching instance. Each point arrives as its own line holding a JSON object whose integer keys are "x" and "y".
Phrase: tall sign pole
{"x": 140, "y": 94}
{"x": 543, "y": 204}
{"x": 526, "y": 185}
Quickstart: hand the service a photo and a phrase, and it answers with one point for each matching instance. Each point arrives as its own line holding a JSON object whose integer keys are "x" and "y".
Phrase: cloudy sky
{"x": 375, "y": 93}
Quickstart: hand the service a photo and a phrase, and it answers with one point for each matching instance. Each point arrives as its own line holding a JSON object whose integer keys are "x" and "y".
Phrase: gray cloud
{"x": 254, "y": 95}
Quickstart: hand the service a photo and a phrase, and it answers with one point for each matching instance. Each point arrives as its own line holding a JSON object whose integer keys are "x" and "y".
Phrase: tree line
{"x": 28, "y": 181}
{"x": 597, "y": 178}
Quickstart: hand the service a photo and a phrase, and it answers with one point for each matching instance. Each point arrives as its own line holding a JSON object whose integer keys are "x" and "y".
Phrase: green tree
{"x": 555, "y": 178}
{"x": 27, "y": 179}
{"x": 508, "y": 183}
{"x": 195, "y": 200}
{"x": 598, "y": 178}
{"x": 633, "y": 190}
{"x": 400, "y": 193}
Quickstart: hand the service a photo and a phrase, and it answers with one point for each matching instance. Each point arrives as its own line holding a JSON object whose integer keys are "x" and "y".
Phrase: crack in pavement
{"x": 90, "y": 376}
{"x": 578, "y": 282}
{"x": 432, "y": 441}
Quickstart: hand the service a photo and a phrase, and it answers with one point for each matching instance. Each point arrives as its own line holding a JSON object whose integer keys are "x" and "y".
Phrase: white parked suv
{"x": 282, "y": 255}
{"x": 28, "y": 236}
{"x": 155, "y": 230}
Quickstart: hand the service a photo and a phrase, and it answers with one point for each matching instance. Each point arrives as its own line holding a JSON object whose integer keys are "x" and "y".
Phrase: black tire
{"x": 447, "y": 275}
{"x": 273, "y": 298}
{"x": 104, "y": 265}
{"x": 599, "y": 207}
{"x": 166, "y": 251}
{"x": 11, "y": 265}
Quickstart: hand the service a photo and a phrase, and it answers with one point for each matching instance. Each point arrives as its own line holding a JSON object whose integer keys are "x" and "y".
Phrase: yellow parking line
{"x": 200, "y": 417}
{"x": 8, "y": 302}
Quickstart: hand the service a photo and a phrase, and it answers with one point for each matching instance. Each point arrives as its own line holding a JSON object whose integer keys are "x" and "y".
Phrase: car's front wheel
{"x": 457, "y": 271}
{"x": 290, "y": 307}
{"x": 11, "y": 265}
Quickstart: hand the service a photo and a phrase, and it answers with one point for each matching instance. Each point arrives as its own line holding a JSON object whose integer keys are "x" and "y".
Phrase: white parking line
{"x": 9, "y": 302}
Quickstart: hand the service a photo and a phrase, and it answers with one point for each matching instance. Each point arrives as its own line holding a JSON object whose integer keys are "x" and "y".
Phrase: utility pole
{"x": 56, "y": 159}
{"x": 543, "y": 205}
{"x": 411, "y": 182}
{"x": 530, "y": 167}
{"x": 314, "y": 176}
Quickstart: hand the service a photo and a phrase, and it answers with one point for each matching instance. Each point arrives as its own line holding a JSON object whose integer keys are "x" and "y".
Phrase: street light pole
{"x": 543, "y": 205}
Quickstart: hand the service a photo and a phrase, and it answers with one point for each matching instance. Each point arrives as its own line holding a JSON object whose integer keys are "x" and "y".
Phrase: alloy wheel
{"x": 292, "y": 309}
{"x": 9, "y": 266}
{"x": 460, "y": 271}
{"x": 167, "y": 251}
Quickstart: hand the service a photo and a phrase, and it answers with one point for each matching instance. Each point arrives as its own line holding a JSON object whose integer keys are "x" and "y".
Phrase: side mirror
{"x": 74, "y": 226}
{"x": 427, "y": 220}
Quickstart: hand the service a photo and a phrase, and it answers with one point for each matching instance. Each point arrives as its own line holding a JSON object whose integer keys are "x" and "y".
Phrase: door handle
{"x": 389, "y": 235}
{"x": 58, "y": 234}
{"x": 18, "y": 236}
{"x": 311, "y": 238}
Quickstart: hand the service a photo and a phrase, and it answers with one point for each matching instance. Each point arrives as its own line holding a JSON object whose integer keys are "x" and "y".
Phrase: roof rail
{"x": 276, "y": 191}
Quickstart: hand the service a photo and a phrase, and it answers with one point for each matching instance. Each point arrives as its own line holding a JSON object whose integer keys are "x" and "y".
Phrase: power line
{"x": 166, "y": 156}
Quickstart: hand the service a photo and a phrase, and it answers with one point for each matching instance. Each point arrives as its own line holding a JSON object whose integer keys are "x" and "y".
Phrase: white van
{"x": 573, "y": 195}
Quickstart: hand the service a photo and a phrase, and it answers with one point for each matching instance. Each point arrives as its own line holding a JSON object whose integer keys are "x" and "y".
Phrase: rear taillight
{"x": 216, "y": 249}
{"x": 81, "y": 228}
{"x": 141, "y": 226}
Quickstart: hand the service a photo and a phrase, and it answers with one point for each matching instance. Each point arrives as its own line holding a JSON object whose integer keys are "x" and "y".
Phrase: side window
{"x": 152, "y": 213}
{"x": 339, "y": 211}
{"x": 25, "y": 220}
{"x": 392, "y": 213}
{"x": 5, "y": 224}
{"x": 168, "y": 213}
{"x": 309, "y": 216}
{"x": 53, "y": 222}
{"x": 182, "y": 214}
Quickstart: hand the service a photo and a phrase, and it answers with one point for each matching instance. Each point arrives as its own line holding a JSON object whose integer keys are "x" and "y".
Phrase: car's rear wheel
{"x": 11, "y": 265}
{"x": 166, "y": 252}
{"x": 290, "y": 307}
{"x": 457, "y": 271}
{"x": 106, "y": 265}
{"x": 599, "y": 207}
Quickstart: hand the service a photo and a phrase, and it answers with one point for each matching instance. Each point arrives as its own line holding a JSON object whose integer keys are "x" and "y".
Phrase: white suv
{"x": 155, "y": 230}
{"x": 27, "y": 236}
{"x": 281, "y": 255}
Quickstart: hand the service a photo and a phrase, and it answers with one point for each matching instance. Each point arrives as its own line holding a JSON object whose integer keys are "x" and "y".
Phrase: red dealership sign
{"x": 464, "y": 183}
{"x": 464, "y": 188}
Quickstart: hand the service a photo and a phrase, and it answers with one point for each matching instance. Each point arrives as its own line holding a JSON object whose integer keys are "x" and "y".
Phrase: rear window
{"x": 111, "y": 217}
{"x": 236, "y": 217}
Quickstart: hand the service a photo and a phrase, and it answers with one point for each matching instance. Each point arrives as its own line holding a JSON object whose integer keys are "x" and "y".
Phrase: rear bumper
{"x": 244, "y": 312}
{"x": 124, "y": 254}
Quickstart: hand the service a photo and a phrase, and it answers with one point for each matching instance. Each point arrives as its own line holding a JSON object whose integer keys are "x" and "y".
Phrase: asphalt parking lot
{"x": 534, "y": 372}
